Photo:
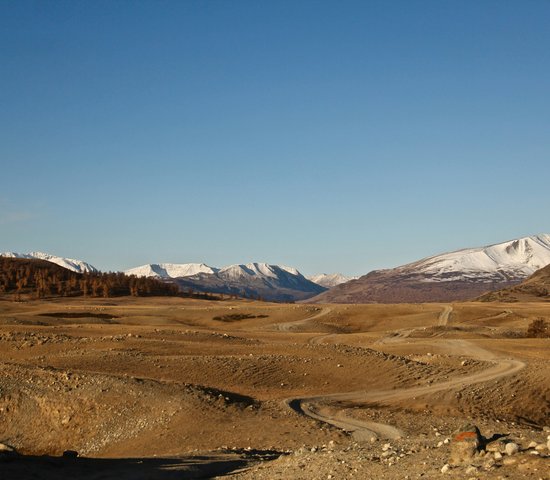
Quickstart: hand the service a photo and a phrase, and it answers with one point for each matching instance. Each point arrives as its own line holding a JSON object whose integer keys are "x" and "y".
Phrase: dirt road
{"x": 325, "y": 407}
{"x": 290, "y": 326}
{"x": 444, "y": 316}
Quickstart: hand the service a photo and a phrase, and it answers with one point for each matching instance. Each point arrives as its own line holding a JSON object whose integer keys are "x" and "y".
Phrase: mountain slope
{"x": 329, "y": 280}
{"x": 535, "y": 288}
{"x": 77, "y": 266}
{"x": 458, "y": 275}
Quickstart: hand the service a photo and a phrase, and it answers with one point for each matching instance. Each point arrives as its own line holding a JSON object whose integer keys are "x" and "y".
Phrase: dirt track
{"x": 316, "y": 406}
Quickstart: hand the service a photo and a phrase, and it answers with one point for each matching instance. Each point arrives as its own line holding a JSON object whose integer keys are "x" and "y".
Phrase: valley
{"x": 263, "y": 390}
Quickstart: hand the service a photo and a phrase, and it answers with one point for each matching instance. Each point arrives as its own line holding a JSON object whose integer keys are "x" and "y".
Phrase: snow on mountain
{"x": 511, "y": 260}
{"x": 175, "y": 270}
{"x": 170, "y": 270}
{"x": 77, "y": 266}
{"x": 257, "y": 270}
{"x": 330, "y": 280}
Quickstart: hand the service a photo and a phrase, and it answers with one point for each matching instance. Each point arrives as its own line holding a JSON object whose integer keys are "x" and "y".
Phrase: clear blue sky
{"x": 327, "y": 135}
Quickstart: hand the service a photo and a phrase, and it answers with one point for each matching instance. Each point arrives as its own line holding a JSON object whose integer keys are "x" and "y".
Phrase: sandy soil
{"x": 158, "y": 388}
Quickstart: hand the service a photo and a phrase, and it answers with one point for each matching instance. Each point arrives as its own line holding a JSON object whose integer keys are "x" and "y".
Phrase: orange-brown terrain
{"x": 166, "y": 387}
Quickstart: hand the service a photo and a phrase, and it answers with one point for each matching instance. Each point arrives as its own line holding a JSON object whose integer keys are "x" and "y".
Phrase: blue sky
{"x": 331, "y": 136}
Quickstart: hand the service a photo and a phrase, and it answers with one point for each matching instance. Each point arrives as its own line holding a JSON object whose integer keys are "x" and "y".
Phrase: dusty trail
{"x": 444, "y": 316}
{"x": 290, "y": 326}
{"x": 324, "y": 407}
{"x": 404, "y": 333}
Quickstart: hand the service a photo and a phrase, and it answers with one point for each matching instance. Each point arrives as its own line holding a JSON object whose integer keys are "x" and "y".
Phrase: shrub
{"x": 538, "y": 328}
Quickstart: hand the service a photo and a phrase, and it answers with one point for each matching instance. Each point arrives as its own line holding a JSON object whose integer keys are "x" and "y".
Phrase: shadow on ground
{"x": 23, "y": 467}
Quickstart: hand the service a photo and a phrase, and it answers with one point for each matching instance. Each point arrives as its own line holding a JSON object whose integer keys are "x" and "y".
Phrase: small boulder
{"x": 496, "y": 446}
{"x": 465, "y": 444}
{"x": 511, "y": 448}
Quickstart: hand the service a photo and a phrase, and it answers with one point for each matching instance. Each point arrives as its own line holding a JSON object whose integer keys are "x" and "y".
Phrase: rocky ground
{"x": 160, "y": 389}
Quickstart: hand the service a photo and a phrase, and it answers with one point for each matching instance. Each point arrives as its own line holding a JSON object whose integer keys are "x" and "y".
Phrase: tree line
{"x": 41, "y": 279}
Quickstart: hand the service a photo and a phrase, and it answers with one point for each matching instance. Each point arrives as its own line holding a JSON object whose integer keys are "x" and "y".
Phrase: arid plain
{"x": 182, "y": 388}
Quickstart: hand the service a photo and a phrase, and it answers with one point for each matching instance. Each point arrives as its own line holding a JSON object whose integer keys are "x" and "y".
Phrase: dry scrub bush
{"x": 538, "y": 328}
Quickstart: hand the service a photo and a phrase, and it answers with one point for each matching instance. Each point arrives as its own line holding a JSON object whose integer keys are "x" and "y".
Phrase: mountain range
{"x": 329, "y": 280}
{"x": 255, "y": 280}
{"x": 459, "y": 275}
{"x": 71, "y": 264}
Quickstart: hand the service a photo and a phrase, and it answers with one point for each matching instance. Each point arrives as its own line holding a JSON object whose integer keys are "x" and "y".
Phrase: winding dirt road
{"x": 325, "y": 407}
{"x": 290, "y": 326}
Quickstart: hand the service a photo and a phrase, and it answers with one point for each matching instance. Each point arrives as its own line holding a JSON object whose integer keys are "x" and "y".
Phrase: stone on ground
{"x": 465, "y": 444}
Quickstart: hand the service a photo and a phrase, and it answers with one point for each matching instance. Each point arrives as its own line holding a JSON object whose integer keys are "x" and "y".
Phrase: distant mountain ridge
{"x": 71, "y": 264}
{"x": 459, "y": 275}
{"x": 170, "y": 270}
{"x": 257, "y": 280}
{"x": 329, "y": 280}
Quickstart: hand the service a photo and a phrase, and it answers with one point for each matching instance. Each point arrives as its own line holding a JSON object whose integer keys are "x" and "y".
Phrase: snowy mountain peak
{"x": 257, "y": 270}
{"x": 69, "y": 263}
{"x": 329, "y": 280}
{"x": 171, "y": 270}
{"x": 510, "y": 260}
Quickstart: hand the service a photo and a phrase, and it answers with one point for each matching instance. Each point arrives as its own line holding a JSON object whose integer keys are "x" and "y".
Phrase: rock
{"x": 498, "y": 456}
{"x": 465, "y": 444}
{"x": 541, "y": 447}
{"x": 445, "y": 468}
{"x": 532, "y": 445}
{"x": 511, "y": 448}
{"x": 495, "y": 446}
{"x": 6, "y": 452}
{"x": 509, "y": 461}
{"x": 6, "y": 448}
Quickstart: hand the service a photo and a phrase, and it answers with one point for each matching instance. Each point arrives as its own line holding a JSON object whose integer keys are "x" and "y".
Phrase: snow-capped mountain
{"x": 512, "y": 260}
{"x": 459, "y": 275}
{"x": 268, "y": 273}
{"x": 77, "y": 266}
{"x": 270, "y": 282}
{"x": 329, "y": 280}
{"x": 170, "y": 270}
